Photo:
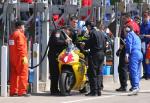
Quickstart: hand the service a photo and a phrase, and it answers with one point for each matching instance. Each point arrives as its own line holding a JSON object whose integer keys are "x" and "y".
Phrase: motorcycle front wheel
{"x": 66, "y": 82}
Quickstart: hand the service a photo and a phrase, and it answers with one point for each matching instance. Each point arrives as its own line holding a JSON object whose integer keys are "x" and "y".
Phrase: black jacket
{"x": 96, "y": 42}
{"x": 57, "y": 43}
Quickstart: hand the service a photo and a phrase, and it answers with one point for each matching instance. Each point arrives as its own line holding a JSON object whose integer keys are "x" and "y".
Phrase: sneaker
{"x": 131, "y": 89}
{"x": 121, "y": 89}
{"x": 134, "y": 92}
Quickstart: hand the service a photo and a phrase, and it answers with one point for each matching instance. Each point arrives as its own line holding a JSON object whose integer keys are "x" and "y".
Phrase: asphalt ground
{"x": 109, "y": 95}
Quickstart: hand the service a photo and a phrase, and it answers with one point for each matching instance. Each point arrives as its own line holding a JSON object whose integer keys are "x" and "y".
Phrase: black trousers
{"x": 123, "y": 75}
{"x": 54, "y": 72}
{"x": 122, "y": 70}
{"x": 94, "y": 71}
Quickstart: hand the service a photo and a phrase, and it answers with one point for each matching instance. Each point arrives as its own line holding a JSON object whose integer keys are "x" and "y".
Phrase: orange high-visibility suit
{"x": 18, "y": 69}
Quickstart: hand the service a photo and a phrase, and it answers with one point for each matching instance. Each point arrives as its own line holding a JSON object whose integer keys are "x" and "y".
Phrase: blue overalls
{"x": 145, "y": 30}
{"x": 133, "y": 48}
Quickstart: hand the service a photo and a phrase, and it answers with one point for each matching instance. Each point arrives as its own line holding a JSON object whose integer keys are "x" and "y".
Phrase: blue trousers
{"x": 135, "y": 60}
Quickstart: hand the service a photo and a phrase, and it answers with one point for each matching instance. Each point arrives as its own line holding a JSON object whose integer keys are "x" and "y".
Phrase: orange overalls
{"x": 18, "y": 70}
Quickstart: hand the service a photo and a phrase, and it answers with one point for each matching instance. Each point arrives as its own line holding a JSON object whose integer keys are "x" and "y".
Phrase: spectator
{"x": 137, "y": 19}
{"x": 145, "y": 31}
{"x": 74, "y": 24}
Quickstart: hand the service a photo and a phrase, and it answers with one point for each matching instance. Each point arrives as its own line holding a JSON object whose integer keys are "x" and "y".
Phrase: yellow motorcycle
{"x": 73, "y": 69}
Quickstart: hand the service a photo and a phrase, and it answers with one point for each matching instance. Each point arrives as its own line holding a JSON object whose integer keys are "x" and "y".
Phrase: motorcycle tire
{"x": 66, "y": 82}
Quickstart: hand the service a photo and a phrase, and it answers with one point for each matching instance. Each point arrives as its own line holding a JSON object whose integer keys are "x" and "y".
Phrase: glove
{"x": 118, "y": 52}
{"x": 67, "y": 41}
{"x": 25, "y": 60}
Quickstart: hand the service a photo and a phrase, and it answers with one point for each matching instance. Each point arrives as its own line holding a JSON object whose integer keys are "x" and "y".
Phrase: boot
{"x": 121, "y": 89}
